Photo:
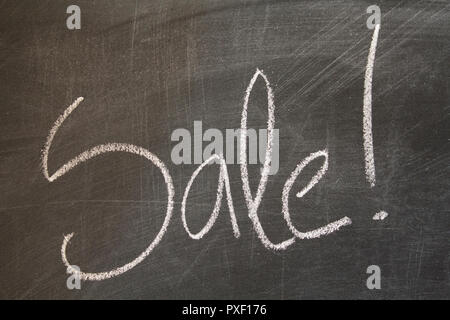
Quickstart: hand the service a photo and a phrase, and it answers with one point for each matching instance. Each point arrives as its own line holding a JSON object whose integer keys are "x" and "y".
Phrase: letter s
{"x": 89, "y": 154}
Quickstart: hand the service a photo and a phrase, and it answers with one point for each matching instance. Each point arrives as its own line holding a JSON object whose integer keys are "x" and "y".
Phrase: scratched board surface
{"x": 147, "y": 68}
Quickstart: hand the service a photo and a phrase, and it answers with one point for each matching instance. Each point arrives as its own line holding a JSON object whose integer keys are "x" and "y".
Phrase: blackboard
{"x": 147, "y": 68}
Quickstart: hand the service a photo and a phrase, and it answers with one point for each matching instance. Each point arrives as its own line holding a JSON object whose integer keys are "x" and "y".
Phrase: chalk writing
{"x": 252, "y": 203}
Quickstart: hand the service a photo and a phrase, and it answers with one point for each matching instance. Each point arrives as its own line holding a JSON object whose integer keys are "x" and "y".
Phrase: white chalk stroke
{"x": 85, "y": 156}
{"x": 253, "y": 203}
{"x": 380, "y": 215}
{"x": 329, "y": 228}
{"x": 223, "y": 180}
{"x": 367, "y": 111}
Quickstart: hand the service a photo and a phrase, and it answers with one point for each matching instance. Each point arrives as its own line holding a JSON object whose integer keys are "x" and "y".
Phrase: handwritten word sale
{"x": 223, "y": 188}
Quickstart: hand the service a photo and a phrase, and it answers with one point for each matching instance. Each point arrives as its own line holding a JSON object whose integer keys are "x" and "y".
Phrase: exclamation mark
{"x": 367, "y": 110}
{"x": 373, "y": 22}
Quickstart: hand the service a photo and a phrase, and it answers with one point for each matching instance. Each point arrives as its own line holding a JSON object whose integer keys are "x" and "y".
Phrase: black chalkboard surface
{"x": 92, "y": 191}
